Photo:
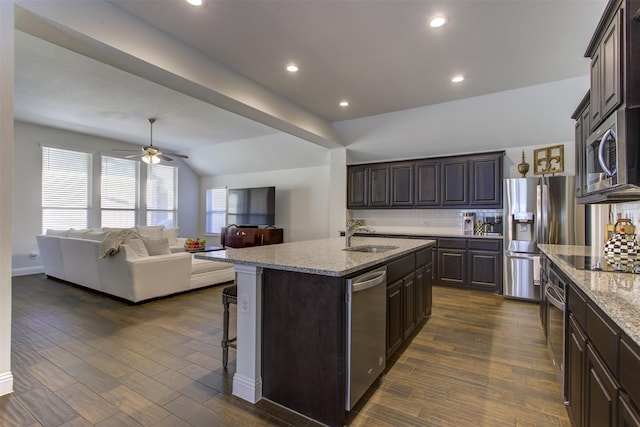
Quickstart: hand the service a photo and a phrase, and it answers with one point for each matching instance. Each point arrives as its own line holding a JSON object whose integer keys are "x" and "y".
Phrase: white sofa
{"x": 127, "y": 274}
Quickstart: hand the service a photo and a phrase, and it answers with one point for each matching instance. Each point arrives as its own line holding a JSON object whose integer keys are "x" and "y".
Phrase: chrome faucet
{"x": 352, "y": 226}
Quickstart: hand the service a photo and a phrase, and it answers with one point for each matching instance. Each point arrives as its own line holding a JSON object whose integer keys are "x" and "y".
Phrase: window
{"x": 216, "y": 210}
{"x": 66, "y": 188}
{"x": 76, "y": 193}
{"x": 162, "y": 204}
{"x": 118, "y": 192}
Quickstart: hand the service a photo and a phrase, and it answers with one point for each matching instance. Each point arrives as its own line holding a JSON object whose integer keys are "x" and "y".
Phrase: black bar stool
{"x": 229, "y": 296}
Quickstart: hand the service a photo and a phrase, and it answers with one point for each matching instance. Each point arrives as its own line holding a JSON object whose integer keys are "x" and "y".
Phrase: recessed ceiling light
{"x": 457, "y": 79}
{"x": 437, "y": 21}
{"x": 344, "y": 104}
{"x": 292, "y": 68}
{"x": 196, "y": 2}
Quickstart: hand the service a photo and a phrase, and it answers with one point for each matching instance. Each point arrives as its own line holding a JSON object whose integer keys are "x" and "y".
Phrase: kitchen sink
{"x": 370, "y": 248}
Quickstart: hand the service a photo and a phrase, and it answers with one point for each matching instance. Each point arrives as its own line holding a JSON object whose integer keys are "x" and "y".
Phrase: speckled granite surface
{"x": 617, "y": 294}
{"x": 323, "y": 256}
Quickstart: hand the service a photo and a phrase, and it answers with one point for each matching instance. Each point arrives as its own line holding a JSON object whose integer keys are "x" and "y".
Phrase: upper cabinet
{"x": 473, "y": 181}
{"x": 485, "y": 180}
{"x": 615, "y": 61}
{"x": 582, "y": 117}
{"x": 357, "y": 186}
{"x": 427, "y": 183}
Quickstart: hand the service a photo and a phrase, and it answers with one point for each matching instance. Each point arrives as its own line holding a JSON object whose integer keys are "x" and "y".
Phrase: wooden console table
{"x": 244, "y": 237}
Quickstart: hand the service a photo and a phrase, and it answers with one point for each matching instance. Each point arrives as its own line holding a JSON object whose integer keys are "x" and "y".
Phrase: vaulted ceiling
{"x": 380, "y": 55}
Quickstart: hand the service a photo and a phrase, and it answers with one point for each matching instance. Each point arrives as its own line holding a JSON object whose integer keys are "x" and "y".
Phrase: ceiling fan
{"x": 151, "y": 154}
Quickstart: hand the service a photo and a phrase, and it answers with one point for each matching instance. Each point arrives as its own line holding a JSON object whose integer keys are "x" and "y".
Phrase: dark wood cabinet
{"x": 424, "y": 283}
{"x": 602, "y": 367}
{"x": 610, "y": 75}
{"x": 427, "y": 183}
{"x": 470, "y": 263}
{"x": 409, "y": 296}
{"x": 402, "y": 183}
{"x": 485, "y": 180}
{"x": 409, "y": 300}
{"x": 379, "y": 178}
{"x": 614, "y": 50}
{"x": 455, "y": 186}
{"x": 628, "y": 416}
{"x": 452, "y": 261}
{"x": 601, "y": 392}
{"x": 582, "y": 132}
{"x": 576, "y": 362}
{"x": 473, "y": 181}
{"x": 244, "y": 237}
{"x": 485, "y": 269}
{"x": 606, "y": 77}
{"x": 395, "y": 327}
{"x": 357, "y": 186}
{"x": 630, "y": 370}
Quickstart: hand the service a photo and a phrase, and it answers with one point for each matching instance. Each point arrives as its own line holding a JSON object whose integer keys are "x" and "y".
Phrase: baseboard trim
{"x": 6, "y": 383}
{"x": 247, "y": 389}
{"x": 25, "y": 271}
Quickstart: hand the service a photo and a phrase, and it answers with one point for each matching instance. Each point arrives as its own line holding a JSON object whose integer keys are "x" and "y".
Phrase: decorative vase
{"x": 523, "y": 167}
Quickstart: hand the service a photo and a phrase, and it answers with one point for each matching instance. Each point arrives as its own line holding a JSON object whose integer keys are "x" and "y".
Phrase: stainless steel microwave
{"x": 612, "y": 170}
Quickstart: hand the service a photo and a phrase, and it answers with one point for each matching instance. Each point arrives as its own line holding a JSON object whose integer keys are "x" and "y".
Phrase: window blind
{"x": 216, "y": 210}
{"x": 66, "y": 188}
{"x": 118, "y": 192}
{"x": 162, "y": 183}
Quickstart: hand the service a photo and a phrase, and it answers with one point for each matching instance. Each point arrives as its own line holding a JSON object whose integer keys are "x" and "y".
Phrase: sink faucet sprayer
{"x": 352, "y": 226}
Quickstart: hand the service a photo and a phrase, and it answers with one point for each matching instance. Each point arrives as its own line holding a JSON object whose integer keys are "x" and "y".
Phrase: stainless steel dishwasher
{"x": 366, "y": 332}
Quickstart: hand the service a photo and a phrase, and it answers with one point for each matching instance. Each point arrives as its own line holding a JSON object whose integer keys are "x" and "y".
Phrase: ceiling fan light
{"x": 150, "y": 160}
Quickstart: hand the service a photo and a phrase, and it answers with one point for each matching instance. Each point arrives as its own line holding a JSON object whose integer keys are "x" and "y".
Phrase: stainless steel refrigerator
{"x": 536, "y": 210}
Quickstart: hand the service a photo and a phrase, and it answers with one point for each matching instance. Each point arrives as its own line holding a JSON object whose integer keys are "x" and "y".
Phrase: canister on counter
{"x": 479, "y": 228}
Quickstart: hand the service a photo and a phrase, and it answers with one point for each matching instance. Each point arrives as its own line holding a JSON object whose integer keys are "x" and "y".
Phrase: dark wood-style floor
{"x": 82, "y": 359}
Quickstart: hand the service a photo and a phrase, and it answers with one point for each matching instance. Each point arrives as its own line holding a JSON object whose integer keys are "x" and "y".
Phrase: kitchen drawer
{"x": 399, "y": 268}
{"x": 578, "y": 306}
{"x": 630, "y": 370}
{"x": 485, "y": 245}
{"x": 421, "y": 257}
{"x": 604, "y": 336}
{"x": 452, "y": 243}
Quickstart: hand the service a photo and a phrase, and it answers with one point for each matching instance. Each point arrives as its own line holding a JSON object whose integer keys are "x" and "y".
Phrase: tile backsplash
{"x": 445, "y": 220}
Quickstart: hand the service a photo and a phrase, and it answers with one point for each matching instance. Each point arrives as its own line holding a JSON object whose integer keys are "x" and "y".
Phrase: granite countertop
{"x": 323, "y": 256}
{"x": 617, "y": 294}
{"x": 425, "y": 232}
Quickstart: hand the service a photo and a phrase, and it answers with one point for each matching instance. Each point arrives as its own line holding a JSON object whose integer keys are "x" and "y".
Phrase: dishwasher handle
{"x": 368, "y": 280}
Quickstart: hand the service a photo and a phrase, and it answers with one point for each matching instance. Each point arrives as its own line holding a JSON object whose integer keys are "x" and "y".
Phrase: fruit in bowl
{"x": 193, "y": 245}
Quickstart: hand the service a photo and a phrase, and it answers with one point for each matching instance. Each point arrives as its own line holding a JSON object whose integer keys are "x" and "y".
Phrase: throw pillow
{"x": 78, "y": 234}
{"x": 172, "y": 235}
{"x": 95, "y": 235}
{"x": 156, "y": 245}
{"x": 57, "y": 233}
{"x": 150, "y": 230}
{"x": 137, "y": 245}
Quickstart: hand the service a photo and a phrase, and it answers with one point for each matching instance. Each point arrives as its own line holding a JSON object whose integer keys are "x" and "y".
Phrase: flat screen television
{"x": 251, "y": 207}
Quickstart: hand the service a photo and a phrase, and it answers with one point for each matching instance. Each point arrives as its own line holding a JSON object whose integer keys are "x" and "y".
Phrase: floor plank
{"x": 81, "y": 359}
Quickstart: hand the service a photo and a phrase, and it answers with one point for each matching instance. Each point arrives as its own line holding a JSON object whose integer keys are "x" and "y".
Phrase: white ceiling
{"x": 378, "y": 54}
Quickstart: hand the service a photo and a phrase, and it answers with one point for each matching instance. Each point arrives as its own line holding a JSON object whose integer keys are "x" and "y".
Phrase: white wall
{"x": 532, "y": 116}
{"x": 302, "y": 198}
{"x": 6, "y": 190}
{"x": 27, "y": 175}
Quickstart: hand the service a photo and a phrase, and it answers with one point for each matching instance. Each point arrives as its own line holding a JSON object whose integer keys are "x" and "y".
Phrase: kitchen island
{"x": 292, "y": 316}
